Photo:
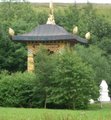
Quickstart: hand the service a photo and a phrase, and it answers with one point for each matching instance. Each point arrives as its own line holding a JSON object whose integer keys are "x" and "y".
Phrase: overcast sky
{"x": 72, "y": 1}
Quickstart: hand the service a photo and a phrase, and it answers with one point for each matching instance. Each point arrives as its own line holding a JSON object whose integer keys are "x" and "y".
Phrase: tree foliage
{"x": 17, "y": 90}
{"x": 86, "y": 19}
{"x": 65, "y": 80}
{"x": 95, "y": 57}
{"x": 44, "y": 65}
{"x": 22, "y": 18}
{"x": 13, "y": 54}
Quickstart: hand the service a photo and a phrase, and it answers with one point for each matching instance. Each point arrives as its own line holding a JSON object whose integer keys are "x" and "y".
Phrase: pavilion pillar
{"x": 30, "y": 58}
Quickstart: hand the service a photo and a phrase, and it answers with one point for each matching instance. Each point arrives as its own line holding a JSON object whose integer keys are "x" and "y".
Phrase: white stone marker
{"x": 91, "y": 101}
{"x": 104, "y": 97}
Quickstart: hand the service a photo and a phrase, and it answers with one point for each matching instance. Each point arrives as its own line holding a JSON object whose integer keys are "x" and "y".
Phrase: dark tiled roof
{"x": 48, "y": 32}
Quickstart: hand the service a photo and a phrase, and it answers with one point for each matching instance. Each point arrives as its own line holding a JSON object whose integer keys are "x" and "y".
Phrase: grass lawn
{"x": 94, "y": 113}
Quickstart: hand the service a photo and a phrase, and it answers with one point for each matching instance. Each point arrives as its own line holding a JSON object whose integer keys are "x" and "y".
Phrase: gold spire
{"x": 51, "y": 7}
{"x": 51, "y": 14}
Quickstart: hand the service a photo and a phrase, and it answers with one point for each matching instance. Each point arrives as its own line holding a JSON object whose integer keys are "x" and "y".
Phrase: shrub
{"x": 16, "y": 90}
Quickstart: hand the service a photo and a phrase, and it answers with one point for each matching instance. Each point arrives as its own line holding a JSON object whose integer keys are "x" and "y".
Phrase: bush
{"x": 16, "y": 90}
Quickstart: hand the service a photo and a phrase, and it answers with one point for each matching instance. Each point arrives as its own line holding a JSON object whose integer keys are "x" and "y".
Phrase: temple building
{"x": 52, "y": 36}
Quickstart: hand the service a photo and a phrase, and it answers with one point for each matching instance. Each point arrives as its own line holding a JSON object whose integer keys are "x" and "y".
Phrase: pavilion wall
{"x": 33, "y": 48}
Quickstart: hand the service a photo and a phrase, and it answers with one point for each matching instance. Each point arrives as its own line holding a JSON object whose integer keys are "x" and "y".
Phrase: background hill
{"x": 102, "y": 9}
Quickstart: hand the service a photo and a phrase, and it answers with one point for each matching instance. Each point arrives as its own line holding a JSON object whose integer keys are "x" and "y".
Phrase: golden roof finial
{"x": 51, "y": 14}
{"x": 51, "y": 7}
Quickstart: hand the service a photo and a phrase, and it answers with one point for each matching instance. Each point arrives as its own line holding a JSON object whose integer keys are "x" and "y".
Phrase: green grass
{"x": 94, "y": 113}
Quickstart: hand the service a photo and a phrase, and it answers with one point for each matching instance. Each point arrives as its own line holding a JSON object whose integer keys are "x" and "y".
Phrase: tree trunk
{"x": 45, "y": 102}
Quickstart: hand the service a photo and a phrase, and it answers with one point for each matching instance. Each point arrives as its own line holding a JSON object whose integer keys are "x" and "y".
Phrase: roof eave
{"x": 20, "y": 38}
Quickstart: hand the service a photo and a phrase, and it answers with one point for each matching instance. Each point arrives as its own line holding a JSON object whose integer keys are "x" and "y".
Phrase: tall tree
{"x": 73, "y": 83}
{"x": 44, "y": 66}
{"x": 96, "y": 58}
{"x": 21, "y": 17}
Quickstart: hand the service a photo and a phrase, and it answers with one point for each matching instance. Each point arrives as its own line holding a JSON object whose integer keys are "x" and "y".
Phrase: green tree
{"x": 105, "y": 45}
{"x": 87, "y": 19}
{"x": 63, "y": 16}
{"x": 21, "y": 17}
{"x": 73, "y": 84}
{"x": 63, "y": 80}
{"x": 44, "y": 66}
{"x": 11, "y": 54}
{"x": 96, "y": 58}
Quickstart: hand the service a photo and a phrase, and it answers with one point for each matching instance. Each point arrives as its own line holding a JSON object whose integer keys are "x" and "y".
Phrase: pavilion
{"x": 52, "y": 36}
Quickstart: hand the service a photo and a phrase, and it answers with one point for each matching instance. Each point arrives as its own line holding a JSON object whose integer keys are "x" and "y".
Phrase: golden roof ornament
{"x": 51, "y": 7}
{"x": 88, "y": 35}
{"x": 11, "y": 32}
{"x": 75, "y": 30}
{"x": 51, "y": 14}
